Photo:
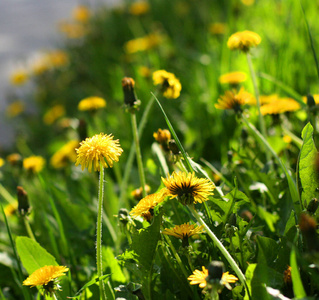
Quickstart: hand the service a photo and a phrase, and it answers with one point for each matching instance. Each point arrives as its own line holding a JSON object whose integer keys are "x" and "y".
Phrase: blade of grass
{"x": 297, "y": 285}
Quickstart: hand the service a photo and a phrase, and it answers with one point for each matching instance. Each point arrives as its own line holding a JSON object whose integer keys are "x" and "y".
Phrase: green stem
{"x": 99, "y": 233}
{"x": 28, "y": 227}
{"x": 221, "y": 247}
{"x": 138, "y": 153}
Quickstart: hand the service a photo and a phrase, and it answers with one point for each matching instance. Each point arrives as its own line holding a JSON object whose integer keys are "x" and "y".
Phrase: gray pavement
{"x": 27, "y": 27}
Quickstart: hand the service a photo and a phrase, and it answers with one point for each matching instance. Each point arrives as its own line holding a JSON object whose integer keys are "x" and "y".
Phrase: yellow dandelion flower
{"x": 188, "y": 188}
{"x": 2, "y": 162}
{"x": 57, "y": 58}
{"x": 39, "y": 64}
{"x": 14, "y": 158}
{"x": 81, "y": 14}
{"x": 233, "y": 78}
{"x": 315, "y": 97}
{"x": 184, "y": 231}
{"x": 138, "y": 193}
{"x": 64, "y": 155}
{"x": 199, "y": 277}
{"x": 247, "y": 2}
{"x": 162, "y": 136}
{"x": 34, "y": 163}
{"x": 72, "y": 30}
{"x": 19, "y": 77}
{"x": 287, "y": 275}
{"x": 243, "y": 40}
{"x": 46, "y": 278}
{"x": 144, "y": 71}
{"x": 15, "y": 109}
{"x": 170, "y": 85}
{"x": 145, "y": 207}
{"x": 279, "y": 106}
{"x": 53, "y": 114}
{"x": 11, "y": 208}
{"x": 234, "y": 100}
{"x": 143, "y": 43}
{"x": 287, "y": 139}
{"x": 139, "y": 8}
{"x": 217, "y": 28}
{"x": 91, "y": 103}
{"x": 101, "y": 148}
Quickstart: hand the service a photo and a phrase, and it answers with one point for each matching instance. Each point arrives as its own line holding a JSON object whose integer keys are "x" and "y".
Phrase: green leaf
{"x": 268, "y": 217}
{"x": 295, "y": 275}
{"x": 306, "y": 171}
{"x": 110, "y": 262}
{"x": 32, "y": 255}
{"x": 267, "y": 250}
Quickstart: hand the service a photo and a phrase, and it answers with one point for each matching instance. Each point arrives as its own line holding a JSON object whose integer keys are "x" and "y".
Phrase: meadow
{"x": 166, "y": 150}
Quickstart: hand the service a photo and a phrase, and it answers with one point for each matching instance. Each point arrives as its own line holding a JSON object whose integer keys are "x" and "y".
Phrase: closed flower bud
{"x": 310, "y": 101}
{"x": 23, "y": 206}
{"x": 215, "y": 271}
{"x": 173, "y": 147}
{"x": 313, "y": 205}
{"x": 130, "y": 99}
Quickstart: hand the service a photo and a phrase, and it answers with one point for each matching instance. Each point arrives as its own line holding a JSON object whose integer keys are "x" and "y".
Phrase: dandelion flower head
{"x": 54, "y": 113}
{"x": 217, "y": 28}
{"x": 139, "y": 8}
{"x": 2, "y": 162}
{"x": 81, "y": 14}
{"x": 19, "y": 77}
{"x": 184, "y": 231}
{"x": 14, "y": 158}
{"x": 233, "y": 78}
{"x": 91, "y": 103}
{"x": 243, "y": 40}
{"x": 145, "y": 207}
{"x": 234, "y": 100}
{"x": 188, "y": 188}
{"x": 101, "y": 148}
{"x": 279, "y": 106}
{"x": 65, "y": 154}
{"x": 45, "y": 275}
{"x": 170, "y": 85}
{"x": 143, "y": 43}
{"x": 15, "y": 109}
{"x": 34, "y": 163}
{"x": 11, "y": 208}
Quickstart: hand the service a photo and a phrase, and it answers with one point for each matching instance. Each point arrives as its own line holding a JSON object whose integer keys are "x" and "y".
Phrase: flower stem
{"x": 28, "y": 227}
{"x": 99, "y": 233}
{"x": 221, "y": 247}
{"x": 138, "y": 153}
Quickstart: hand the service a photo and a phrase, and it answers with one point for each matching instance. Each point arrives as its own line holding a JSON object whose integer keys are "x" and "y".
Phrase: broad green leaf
{"x": 112, "y": 264}
{"x": 267, "y": 250}
{"x": 32, "y": 255}
{"x": 306, "y": 171}
{"x": 295, "y": 275}
{"x": 268, "y": 217}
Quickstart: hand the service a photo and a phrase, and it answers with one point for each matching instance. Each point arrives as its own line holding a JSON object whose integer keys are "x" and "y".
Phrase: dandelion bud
{"x": 130, "y": 99}
{"x": 215, "y": 271}
{"x": 82, "y": 130}
{"x": 163, "y": 137}
{"x": 310, "y": 101}
{"x": 173, "y": 147}
{"x": 313, "y": 205}
{"x": 23, "y": 206}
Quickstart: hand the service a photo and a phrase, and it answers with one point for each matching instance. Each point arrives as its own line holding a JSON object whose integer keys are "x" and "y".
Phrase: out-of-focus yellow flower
{"x": 287, "y": 139}
{"x": 101, "y": 148}
{"x": 247, "y": 2}
{"x": 233, "y": 78}
{"x": 64, "y": 155}
{"x": 143, "y": 43}
{"x": 145, "y": 207}
{"x": 57, "y": 58}
{"x": 144, "y": 71}
{"x": 279, "y": 106}
{"x": 217, "y": 28}
{"x": 315, "y": 97}
{"x": 243, "y": 40}
{"x": 139, "y": 8}
{"x": 72, "y": 30}
{"x": 188, "y": 188}
{"x": 81, "y": 14}
{"x": 11, "y": 208}
{"x": 15, "y": 108}
{"x": 162, "y": 136}
{"x": 34, "y": 163}
{"x": 19, "y": 77}
{"x": 53, "y": 114}
{"x": 2, "y": 162}
{"x": 234, "y": 100}
{"x": 287, "y": 275}
{"x": 91, "y": 103}
{"x": 14, "y": 158}
{"x": 170, "y": 85}
{"x": 138, "y": 193}
{"x": 264, "y": 99}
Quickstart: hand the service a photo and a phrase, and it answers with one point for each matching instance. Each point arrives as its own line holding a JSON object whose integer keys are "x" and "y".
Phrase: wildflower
{"x": 137, "y": 193}
{"x": 54, "y": 113}
{"x": 101, "y": 148}
{"x": 34, "y": 164}
{"x": 130, "y": 99}
{"x": 1, "y": 162}
{"x": 162, "y": 137}
{"x": 146, "y": 206}
{"x": 72, "y": 30}
{"x": 143, "y": 43}
{"x": 46, "y": 278}
{"x": 14, "y": 159}
{"x": 234, "y": 100}
{"x": 139, "y": 8}
{"x": 144, "y": 71}
{"x": 217, "y": 28}
{"x": 170, "y": 85}
{"x": 287, "y": 139}
{"x": 315, "y": 97}
{"x": 39, "y": 64}
{"x": 247, "y": 2}
{"x": 188, "y": 188}
{"x": 81, "y": 14}
{"x": 233, "y": 78}
{"x": 184, "y": 232}
{"x": 64, "y": 155}
{"x": 243, "y": 40}
{"x": 10, "y": 209}
{"x": 199, "y": 277}
{"x": 91, "y": 103}
{"x": 19, "y": 77}
{"x": 15, "y": 109}
{"x": 23, "y": 201}
{"x": 57, "y": 58}
{"x": 279, "y": 106}
{"x": 287, "y": 275}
